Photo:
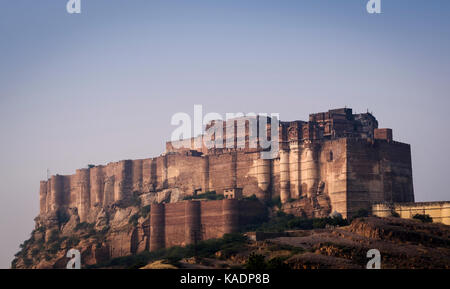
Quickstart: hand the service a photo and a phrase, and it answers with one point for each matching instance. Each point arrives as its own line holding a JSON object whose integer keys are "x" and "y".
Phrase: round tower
{"x": 263, "y": 177}
{"x": 57, "y": 188}
{"x": 97, "y": 185}
{"x": 157, "y": 227}
{"x": 48, "y": 201}
{"x": 192, "y": 224}
{"x": 205, "y": 172}
{"x": 230, "y": 214}
{"x": 108, "y": 192}
{"x": 84, "y": 200}
{"x": 309, "y": 171}
{"x": 284, "y": 176}
{"x": 43, "y": 197}
{"x": 137, "y": 175}
{"x": 294, "y": 169}
{"x": 123, "y": 179}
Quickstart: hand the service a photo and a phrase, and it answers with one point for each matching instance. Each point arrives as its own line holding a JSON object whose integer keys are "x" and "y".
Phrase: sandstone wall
{"x": 333, "y": 174}
{"x": 352, "y": 173}
{"x": 183, "y": 223}
{"x": 377, "y": 172}
{"x": 439, "y": 211}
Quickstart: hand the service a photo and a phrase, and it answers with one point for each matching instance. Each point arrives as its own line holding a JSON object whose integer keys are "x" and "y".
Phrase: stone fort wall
{"x": 187, "y": 222}
{"x": 337, "y": 161}
{"x": 438, "y": 211}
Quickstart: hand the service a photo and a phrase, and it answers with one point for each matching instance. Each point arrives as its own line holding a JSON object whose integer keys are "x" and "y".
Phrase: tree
{"x": 423, "y": 217}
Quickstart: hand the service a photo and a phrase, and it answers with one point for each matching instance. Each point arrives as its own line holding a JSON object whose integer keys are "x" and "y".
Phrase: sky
{"x": 102, "y": 86}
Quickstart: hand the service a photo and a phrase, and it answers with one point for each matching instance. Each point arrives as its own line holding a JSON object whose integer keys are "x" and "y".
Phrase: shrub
{"x": 208, "y": 195}
{"x": 256, "y": 262}
{"x": 282, "y": 222}
{"x": 277, "y": 263}
{"x": 395, "y": 214}
{"x": 175, "y": 254}
{"x": 251, "y": 198}
{"x": 301, "y": 223}
{"x": 423, "y": 217}
{"x": 205, "y": 248}
{"x": 323, "y": 222}
{"x": 275, "y": 202}
{"x": 361, "y": 213}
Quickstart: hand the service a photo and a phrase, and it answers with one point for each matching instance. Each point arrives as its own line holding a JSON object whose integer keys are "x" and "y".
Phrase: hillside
{"x": 319, "y": 244}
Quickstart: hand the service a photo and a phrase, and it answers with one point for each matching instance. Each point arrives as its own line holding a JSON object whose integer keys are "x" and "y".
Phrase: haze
{"x": 102, "y": 86}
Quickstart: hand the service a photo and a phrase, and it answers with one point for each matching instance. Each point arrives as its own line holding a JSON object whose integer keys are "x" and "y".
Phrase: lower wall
{"x": 439, "y": 211}
{"x": 182, "y": 223}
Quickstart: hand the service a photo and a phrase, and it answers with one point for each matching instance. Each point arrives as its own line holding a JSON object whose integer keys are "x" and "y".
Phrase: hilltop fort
{"x": 336, "y": 162}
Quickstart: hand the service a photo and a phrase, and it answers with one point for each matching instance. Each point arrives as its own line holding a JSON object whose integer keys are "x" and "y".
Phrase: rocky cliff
{"x": 112, "y": 231}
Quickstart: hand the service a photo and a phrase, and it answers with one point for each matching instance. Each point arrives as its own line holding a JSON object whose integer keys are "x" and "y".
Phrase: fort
{"x": 338, "y": 156}
{"x": 336, "y": 161}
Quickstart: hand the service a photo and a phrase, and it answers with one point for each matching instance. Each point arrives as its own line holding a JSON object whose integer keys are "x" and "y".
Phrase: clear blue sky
{"x": 102, "y": 86}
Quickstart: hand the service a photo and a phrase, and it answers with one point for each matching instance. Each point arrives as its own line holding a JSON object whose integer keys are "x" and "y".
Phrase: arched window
{"x": 330, "y": 156}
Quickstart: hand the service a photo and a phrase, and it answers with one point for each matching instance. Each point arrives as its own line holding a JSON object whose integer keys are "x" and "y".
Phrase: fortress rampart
{"x": 337, "y": 161}
{"x": 187, "y": 222}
